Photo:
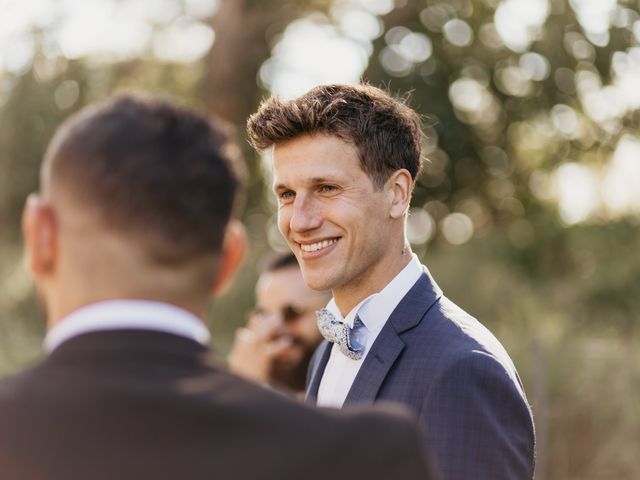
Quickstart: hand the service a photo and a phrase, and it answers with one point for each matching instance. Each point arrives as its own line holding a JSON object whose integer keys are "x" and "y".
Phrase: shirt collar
{"x": 377, "y": 308}
{"x": 127, "y": 314}
{"x": 350, "y": 317}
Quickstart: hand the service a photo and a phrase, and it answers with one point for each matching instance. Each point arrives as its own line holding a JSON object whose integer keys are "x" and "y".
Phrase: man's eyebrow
{"x": 279, "y": 186}
{"x": 310, "y": 181}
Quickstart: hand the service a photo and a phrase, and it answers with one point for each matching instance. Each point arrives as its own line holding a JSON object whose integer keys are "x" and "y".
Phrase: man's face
{"x": 284, "y": 300}
{"x": 335, "y": 221}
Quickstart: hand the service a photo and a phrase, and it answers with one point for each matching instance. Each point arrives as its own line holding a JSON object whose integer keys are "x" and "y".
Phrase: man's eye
{"x": 287, "y": 195}
{"x": 328, "y": 188}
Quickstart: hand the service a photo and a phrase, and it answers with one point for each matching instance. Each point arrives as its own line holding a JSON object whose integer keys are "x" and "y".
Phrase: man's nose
{"x": 274, "y": 320}
{"x": 306, "y": 214}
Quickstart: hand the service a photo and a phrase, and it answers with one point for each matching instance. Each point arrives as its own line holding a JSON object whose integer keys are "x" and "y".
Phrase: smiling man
{"x": 345, "y": 160}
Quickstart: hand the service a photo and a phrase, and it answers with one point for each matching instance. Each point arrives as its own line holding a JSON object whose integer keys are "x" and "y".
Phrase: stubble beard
{"x": 292, "y": 377}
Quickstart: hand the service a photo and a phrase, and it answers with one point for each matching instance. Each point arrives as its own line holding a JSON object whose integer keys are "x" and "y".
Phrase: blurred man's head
{"x": 136, "y": 201}
{"x": 283, "y": 298}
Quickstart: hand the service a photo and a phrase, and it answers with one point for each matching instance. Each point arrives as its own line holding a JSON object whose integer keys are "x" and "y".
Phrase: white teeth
{"x": 318, "y": 245}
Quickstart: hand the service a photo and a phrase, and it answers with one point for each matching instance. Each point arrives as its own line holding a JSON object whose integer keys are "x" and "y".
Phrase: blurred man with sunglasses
{"x": 276, "y": 345}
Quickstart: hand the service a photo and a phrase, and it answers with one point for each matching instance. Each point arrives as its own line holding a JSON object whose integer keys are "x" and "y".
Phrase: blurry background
{"x": 528, "y": 212}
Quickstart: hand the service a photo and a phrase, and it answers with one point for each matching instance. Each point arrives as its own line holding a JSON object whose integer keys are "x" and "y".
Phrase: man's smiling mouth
{"x": 314, "y": 247}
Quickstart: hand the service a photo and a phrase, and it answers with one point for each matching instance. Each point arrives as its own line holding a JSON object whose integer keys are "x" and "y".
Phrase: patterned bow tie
{"x": 350, "y": 341}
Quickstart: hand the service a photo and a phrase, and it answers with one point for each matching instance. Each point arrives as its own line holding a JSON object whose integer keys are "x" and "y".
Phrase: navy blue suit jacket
{"x": 446, "y": 366}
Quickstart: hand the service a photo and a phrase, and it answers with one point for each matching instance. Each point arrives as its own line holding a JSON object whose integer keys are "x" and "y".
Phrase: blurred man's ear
{"x": 40, "y": 233}
{"x": 233, "y": 251}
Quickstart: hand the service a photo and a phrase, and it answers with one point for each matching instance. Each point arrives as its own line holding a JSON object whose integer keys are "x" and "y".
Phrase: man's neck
{"x": 347, "y": 297}
{"x": 58, "y": 311}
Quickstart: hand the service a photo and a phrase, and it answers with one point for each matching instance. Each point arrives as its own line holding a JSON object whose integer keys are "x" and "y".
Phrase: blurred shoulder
{"x": 17, "y": 385}
{"x": 379, "y": 432}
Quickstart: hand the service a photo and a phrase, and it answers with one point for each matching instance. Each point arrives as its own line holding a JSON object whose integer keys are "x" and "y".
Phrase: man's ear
{"x": 233, "y": 251}
{"x": 40, "y": 232}
{"x": 400, "y": 186}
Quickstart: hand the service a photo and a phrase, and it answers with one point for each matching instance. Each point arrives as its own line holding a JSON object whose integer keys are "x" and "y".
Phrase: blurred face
{"x": 335, "y": 221}
{"x": 283, "y": 298}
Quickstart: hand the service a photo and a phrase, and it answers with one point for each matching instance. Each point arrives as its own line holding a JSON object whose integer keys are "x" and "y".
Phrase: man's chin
{"x": 319, "y": 281}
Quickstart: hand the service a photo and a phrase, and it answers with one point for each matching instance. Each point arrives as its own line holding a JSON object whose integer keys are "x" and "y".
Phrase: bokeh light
{"x": 577, "y": 192}
{"x": 312, "y": 51}
{"x": 420, "y": 226}
{"x": 458, "y": 32}
{"x": 519, "y": 22}
{"x": 104, "y": 30}
{"x": 457, "y": 228}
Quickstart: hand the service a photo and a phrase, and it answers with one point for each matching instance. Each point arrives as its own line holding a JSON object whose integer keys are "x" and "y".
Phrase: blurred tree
{"x": 245, "y": 31}
{"x": 499, "y": 114}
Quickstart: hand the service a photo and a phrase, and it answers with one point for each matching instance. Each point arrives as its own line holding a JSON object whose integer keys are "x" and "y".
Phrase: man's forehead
{"x": 313, "y": 173}
{"x": 312, "y": 145}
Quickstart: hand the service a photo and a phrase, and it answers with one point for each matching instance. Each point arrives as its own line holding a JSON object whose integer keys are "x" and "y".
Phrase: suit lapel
{"x": 318, "y": 364}
{"x": 389, "y": 345}
{"x": 375, "y": 367}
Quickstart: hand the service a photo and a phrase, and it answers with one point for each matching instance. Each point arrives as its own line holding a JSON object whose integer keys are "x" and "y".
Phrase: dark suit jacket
{"x": 142, "y": 405}
{"x": 441, "y": 362}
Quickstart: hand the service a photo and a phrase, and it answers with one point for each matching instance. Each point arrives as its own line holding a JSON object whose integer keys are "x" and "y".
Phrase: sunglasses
{"x": 288, "y": 313}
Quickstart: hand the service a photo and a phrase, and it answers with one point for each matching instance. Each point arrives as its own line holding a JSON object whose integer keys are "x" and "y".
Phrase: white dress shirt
{"x": 374, "y": 311}
{"x": 127, "y": 315}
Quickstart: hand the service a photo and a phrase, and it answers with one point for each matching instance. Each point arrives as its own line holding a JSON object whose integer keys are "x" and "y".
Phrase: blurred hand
{"x": 255, "y": 347}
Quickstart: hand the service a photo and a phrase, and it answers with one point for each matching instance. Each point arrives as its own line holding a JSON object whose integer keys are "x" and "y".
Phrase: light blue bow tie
{"x": 350, "y": 341}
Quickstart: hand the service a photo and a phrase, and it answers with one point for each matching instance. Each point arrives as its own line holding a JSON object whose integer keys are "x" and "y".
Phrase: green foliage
{"x": 483, "y": 160}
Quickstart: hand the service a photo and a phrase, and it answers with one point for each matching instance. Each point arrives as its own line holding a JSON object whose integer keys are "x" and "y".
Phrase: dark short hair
{"x": 279, "y": 261}
{"x": 384, "y": 130}
{"x": 149, "y": 168}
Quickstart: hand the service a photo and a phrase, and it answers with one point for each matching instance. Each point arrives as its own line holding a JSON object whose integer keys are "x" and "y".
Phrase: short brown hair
{"x": 280, "y": 261}
{"x": 385, "y": 131}
{"x": 152, "y": 169}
